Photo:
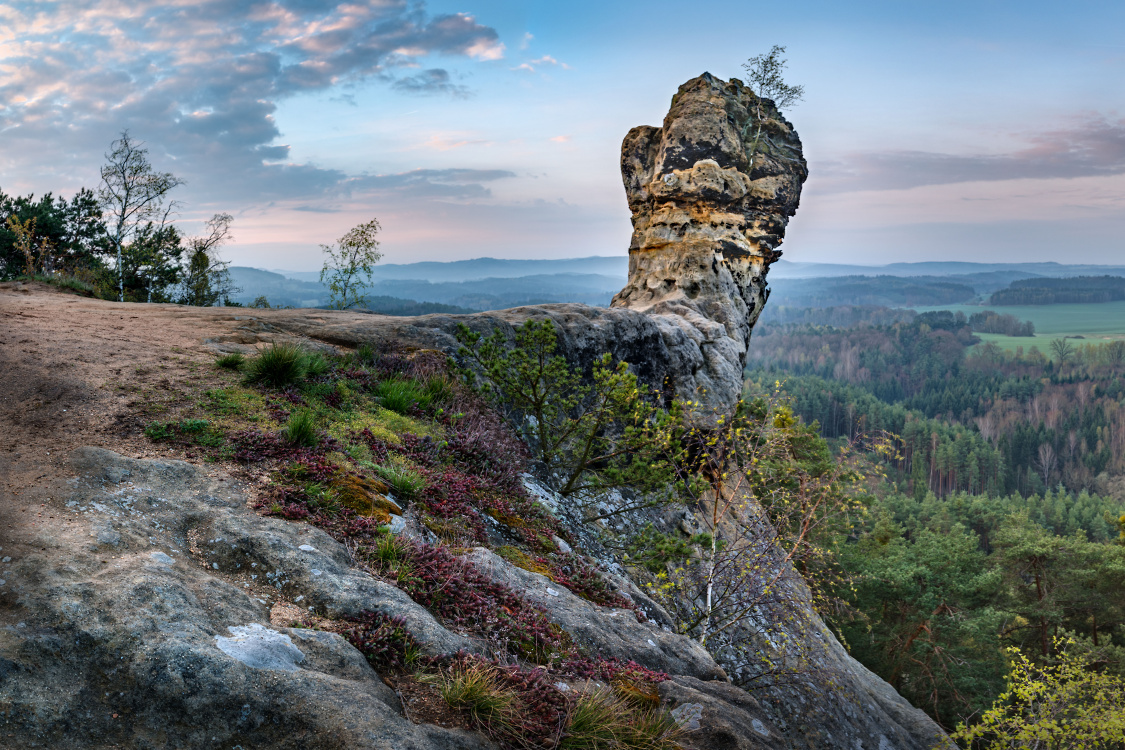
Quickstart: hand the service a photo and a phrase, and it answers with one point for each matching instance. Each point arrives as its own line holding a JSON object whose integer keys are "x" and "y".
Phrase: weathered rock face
{"x": 711, "y": 193}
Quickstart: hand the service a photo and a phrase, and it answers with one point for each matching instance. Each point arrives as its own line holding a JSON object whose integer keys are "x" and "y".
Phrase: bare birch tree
{"x": 132, "y": 195}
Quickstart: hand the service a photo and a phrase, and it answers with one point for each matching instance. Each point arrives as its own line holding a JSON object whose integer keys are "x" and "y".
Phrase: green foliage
{"x": 927, "y": 619}
{"x": 769, "y": 487}
{"x": 1056, "y": 291}
{"x": 656, "y": 550}
{"x": 348, "y": 266}
{"x": 1069, "y": 703}
{"x": 71, "y": 232}
{"x": 1009, "y": 325}
{"x": 232, "y": 361}
{"x": 765, "y": 73}
{"x": 260, "y": 303}
{"x": 301, "y": 428}
{"x": 277, "y": 366}
{"x": 588, "y": 436}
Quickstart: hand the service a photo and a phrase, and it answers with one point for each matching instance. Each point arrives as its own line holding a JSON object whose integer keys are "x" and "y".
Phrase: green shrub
{"x": 158, "y": 431}
{"x": 278, "y": 366}
{"x": 193, "y": 425}
{"x": 590, "y": 435}
{"x": 232, "y": 361}
{"x": 301, "y": 429}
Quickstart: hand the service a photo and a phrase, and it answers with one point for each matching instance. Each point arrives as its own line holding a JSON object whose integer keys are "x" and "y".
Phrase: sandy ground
{"x": 76, "y": 371}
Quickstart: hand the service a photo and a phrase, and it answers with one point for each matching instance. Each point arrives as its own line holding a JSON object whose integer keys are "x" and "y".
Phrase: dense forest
{"x": 1000, "y": 520}
{"x": 1048, "y": 291}
{"x": 890, "y": 291}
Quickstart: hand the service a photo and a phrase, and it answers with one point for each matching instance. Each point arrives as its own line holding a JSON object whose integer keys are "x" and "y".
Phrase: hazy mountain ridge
{"x": 495, "y": 284}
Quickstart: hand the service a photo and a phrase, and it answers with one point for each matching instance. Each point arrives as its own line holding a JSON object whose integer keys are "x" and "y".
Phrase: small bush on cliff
{"x": 589, "y": 435}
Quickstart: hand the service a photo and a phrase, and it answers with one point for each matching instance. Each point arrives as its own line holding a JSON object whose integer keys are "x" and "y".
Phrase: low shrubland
{"x": 347, "y": 441}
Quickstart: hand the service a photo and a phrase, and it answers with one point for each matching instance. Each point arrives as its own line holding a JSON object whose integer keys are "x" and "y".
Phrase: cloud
{"x": 429, "y": 183}
{"x": 548, "y": 60}
{"x": 526, "y": 41}
{"x": 529, "y": 66}
{"x": 200, "y": 81}
{"x": 449, "y": 142}
{"x": 433, "y": 81}
{"x": 561, "y": 139}
{"x": 1090, "y": 147}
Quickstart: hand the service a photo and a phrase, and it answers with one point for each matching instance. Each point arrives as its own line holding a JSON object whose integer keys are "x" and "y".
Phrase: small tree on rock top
{"x": 347, "y": 269}
{"x": 765, "y": 76}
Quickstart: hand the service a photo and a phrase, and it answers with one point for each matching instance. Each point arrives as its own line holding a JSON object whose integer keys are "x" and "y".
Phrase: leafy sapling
{"x": 588, "y": 435}
{"x": 347, "y": 268}
{"x": 765, "y": 74}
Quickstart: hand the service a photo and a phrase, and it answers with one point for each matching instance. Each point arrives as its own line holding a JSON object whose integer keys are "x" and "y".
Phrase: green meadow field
{"x": 1096, "y": 323}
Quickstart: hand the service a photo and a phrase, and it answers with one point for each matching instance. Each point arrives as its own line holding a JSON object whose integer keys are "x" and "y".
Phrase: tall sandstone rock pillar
{"x": 711, "y": 193}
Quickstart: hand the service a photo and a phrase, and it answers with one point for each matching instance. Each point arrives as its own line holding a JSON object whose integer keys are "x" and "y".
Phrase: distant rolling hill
{"x": 490, "y": 268}
{"x": 490, "y": 293}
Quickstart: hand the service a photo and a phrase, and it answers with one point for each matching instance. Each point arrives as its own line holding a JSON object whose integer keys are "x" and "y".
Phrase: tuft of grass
{"x": 475, "y": 688}
{"x": 232, "y": 361}
{"x": 401, "y": 395}
{"x": 301, "y": 429}
{"x": 403, "y": 480}
{"x": 316, "y": 365}
{"x": 365, "y": 354}
{"x": 278, "y": 366}
{"x": 320, "y": 498}
{"x": 600, "y": 720}
{"x": 438, "y": 390}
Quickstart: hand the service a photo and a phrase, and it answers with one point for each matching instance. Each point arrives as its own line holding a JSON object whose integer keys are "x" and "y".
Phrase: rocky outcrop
{"x": 711, "y": 194}
{"x": 157, "y": 633}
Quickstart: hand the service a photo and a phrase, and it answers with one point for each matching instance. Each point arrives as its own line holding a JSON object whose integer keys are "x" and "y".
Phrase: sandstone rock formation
{"x": 711, "y": 193}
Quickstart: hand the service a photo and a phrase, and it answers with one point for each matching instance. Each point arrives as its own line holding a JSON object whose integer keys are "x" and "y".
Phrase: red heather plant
{"x": 582, "y": 578}
{"x": 384, "y": 640}
{"x": 607, "y": 670}
{"x": 456, "y": 591}
{"x": 254, "y": 446}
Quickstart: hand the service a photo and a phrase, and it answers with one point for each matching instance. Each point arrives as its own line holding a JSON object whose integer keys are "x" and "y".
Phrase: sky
{"x": 984, "y": 130}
